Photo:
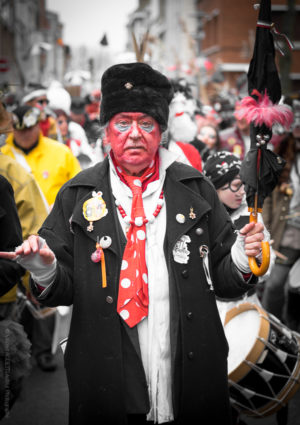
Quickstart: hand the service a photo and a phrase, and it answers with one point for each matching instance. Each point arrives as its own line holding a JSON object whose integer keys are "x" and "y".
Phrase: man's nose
{"x": 135, "y": 131}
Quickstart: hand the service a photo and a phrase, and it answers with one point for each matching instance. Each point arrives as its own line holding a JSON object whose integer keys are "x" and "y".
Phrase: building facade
{"x": 31, "y": 47}
{"x": 210, "y": 42}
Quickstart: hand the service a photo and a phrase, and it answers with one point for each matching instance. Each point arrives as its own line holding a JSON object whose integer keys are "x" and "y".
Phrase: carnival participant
{"x": 236, "y": 139}
{"x": 32, "y": 211}
{"x": 207, "y": 141}
{"x": 52, "y": 164}
{"x": 79, "y": 115}
{"x": 182, "y": 127}
{"x": 140, "y": 246}
{"x": 14, "y": 344}
{"x": 223, "y": 168}
{"x": 73, "y": 136}
{"x": 37, "y": 97}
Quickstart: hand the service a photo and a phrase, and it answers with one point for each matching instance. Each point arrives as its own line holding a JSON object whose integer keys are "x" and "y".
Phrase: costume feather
{"x": 264, "y": 111}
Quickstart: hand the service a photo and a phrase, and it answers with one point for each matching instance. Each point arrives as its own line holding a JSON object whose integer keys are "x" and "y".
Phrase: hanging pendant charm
{"x": 90, "y": 227}
{"x": 96, "y": 255}
{"x": 192, "y": 215}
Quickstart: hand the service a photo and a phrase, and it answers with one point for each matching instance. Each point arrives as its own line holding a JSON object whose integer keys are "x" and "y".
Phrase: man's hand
{"x": 253, "y": 234}
{"x": 32, "y": 245}
{"x": 35, "y": 255}
{"x": 247, "y": 244}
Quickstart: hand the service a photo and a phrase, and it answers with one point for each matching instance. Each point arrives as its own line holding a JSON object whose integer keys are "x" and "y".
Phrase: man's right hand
{"x": 33, "y": 245}
{"x": 35, "y": 255}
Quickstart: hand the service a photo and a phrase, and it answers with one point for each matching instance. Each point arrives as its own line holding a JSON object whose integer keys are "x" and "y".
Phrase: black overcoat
{"x": 104, "y": 371}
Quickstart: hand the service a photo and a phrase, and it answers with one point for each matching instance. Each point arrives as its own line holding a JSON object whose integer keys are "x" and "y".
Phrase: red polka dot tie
{"x": 133, "y": 288}
{"x": 133, "y": 297}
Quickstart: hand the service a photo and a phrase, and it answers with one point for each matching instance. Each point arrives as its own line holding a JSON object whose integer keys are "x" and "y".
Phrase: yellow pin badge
{"x": 94, "y": 209}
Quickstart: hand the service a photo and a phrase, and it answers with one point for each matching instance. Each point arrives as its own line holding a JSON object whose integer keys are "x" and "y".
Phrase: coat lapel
{"x": 109, "y": 224}
{"x": 181, "y": 200}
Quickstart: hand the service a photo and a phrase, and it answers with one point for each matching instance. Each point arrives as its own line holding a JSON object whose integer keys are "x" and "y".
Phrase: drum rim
{"x": 283, "y": 397}
{"x": 258, "y": 347}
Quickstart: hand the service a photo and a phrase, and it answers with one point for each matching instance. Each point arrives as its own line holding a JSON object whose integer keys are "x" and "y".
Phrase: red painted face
{"x": 134, "y": 138}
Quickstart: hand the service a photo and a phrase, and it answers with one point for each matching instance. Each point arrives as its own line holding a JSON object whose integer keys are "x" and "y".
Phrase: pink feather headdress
{"x": 263, "y": 111}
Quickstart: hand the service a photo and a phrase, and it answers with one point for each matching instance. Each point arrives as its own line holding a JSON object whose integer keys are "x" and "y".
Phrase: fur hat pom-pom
{"x": 264, "y": 111}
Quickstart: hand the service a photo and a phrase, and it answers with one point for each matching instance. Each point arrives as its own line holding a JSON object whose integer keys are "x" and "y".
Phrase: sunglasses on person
{"x": 42, "y": 101}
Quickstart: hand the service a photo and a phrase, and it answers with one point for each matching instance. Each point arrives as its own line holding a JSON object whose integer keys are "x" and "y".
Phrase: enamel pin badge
{"x": 180, "y": 251}
{"x": 94, "y": 209}
{"x": 192, "y": 214}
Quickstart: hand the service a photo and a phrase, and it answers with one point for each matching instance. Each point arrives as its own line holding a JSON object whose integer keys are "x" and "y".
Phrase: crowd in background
{"x": 53, "y": 135}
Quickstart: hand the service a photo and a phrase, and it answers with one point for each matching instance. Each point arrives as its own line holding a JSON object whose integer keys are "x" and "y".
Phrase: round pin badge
{"x": 180, "y": 218}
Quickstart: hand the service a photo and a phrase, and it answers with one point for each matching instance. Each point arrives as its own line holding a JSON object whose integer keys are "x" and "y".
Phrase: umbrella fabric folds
{"x": 260, "y": 170}
{"x": 261, "y": 167}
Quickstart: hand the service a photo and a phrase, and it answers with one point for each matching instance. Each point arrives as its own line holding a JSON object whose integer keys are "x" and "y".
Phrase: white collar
{"x": 166, "y": 158}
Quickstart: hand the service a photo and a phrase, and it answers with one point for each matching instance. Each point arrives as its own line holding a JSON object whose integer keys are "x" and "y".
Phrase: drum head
{"x": 241, "y": 332}
{"x": 244, "y": 325}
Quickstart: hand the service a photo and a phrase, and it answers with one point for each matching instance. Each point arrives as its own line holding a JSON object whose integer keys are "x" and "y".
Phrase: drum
{"x": 263, "y": 360}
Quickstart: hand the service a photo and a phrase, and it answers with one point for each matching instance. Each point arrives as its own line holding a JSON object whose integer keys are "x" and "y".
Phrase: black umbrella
{"x": 261, "y": 167}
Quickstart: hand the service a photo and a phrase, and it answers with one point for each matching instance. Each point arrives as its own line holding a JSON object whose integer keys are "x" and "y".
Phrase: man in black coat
{"x": 140, "y": 245}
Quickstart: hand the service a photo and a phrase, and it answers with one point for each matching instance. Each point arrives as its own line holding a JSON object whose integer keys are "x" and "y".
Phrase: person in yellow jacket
{"x": 31, "y": 207}
{"x": 38, "y": 98}
{"x": 51, "y": 164}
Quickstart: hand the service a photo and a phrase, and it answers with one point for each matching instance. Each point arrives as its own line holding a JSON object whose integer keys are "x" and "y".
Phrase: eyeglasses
{"x": 42, "y": 101}
{"x": 234, "y": 186}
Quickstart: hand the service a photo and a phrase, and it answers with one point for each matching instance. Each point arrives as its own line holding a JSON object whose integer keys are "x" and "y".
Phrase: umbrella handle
{"x": 265, "y": 252}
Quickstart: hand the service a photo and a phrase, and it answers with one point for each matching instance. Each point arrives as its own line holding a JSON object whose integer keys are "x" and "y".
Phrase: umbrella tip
{"x": 256, "y": 6}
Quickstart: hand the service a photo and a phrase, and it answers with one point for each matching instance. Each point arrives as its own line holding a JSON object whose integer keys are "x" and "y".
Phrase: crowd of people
{"x": 106, "y": 202}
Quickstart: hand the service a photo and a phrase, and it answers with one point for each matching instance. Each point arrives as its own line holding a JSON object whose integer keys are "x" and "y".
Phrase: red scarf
{"x": 133, "y": 296}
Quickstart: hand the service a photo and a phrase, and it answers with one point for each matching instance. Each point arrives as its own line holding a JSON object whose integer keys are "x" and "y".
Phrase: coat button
{"x": 191, "y": 355}
{"x": 185, "y": 273}
{"x": 189, "y": 315}
{"x": 109, "y": 299}
{"x": 199, "y": 231}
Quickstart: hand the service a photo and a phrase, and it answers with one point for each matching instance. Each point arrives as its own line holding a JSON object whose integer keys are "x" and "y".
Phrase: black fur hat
{"x": 135, "y": 87}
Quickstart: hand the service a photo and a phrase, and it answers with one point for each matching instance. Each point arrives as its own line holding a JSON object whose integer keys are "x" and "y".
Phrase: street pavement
{"x": 44, "y": 401}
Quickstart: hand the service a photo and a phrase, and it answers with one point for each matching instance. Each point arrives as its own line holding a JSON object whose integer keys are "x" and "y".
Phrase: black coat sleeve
{"x": 11, "y": 236}
{"x": 56, "y": 231}
{"x": 229, "y": 281}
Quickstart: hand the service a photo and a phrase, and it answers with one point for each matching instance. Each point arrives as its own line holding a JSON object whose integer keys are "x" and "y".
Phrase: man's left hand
{"x": 253, "y": 234}
{"x": 247, "y": 244}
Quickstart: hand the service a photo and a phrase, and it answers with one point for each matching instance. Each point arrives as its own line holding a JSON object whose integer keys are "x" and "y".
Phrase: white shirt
{"x": 153, "y": 331}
